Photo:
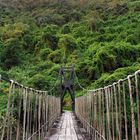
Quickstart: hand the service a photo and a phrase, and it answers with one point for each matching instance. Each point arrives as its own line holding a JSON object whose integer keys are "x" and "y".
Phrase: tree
{"x": 10, "y": 56}
{"x": 39, "y": 81}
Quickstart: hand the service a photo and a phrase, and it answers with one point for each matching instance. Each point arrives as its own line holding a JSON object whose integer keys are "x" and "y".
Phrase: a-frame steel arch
{"x": 67, "y": 84}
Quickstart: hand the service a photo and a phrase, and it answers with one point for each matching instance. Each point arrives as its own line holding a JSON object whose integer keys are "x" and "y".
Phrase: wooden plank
{"x": 66, "y": 128}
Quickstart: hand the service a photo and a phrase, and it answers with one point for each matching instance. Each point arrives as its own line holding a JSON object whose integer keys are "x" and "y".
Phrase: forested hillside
{"x": 101, "y": 37}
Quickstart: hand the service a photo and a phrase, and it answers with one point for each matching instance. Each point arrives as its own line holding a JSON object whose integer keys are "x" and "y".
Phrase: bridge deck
{"x": 67, "y": 128}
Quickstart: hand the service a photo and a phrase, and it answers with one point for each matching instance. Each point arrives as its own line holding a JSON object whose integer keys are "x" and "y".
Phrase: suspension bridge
{"x": 108, "y": 113}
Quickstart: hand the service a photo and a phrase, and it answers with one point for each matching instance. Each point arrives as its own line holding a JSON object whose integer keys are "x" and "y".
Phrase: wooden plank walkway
{"x": 67, "y": 128}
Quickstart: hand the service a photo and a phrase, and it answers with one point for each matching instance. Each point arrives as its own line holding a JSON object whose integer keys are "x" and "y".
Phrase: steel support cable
{"x": 108, "y": 113}
{"x": 87, "y": 123}
{"x": 94, "y": 90}
{"x": 19, "y": 114}
{"x": 39, "y": 115}
{"x": 28, "y": 88}
{"x": 138, "y": 100}
{"x": 116, "y": 112}
{"x": 125, "y": 113}
{"x": 11, "y": 111}
{"x": 54, "y": 85}
{"x": 100, "y": 118}
{"x": 134, "y": 134}
{"x": 43, "y": 113}
{"x": 116, "y": 92}
{"x": 6, "y": 121}
{"x": 50, "y": 90}
{"x": 103, "y": 101}
{"x": 36, "y": 132}
{"x": 31, "y": 113}
{"x": 25, "y": 96}
{"x": 103, "y": 113}
{"x": 120, "y": 106}
{"x": 90, "y": 108}
{"x": 47, "y": 106}
{"x": 51, "y": 119}
{"x": 27, "y": 116}
{"x": 24, "y": 108}
{"x": 80, "y": 84}
{"x": 97, "y": 108}
{"x": 83, "y": 103}
{"x": 112, "y": 114}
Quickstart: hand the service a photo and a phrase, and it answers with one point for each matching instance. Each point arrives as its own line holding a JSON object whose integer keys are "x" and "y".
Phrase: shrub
{"x": 66, "y": 29}
{"x": 11, "y": 55}
{"x": 44, "y": 53}
{"x": 49, "y": 36}
{"x": 67, "y": 42}
{"x": 55, "y": 56}
{"x": 16, "y": 30}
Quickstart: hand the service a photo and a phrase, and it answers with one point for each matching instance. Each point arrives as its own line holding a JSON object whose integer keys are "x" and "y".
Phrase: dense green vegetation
{"x": 102, "y": 39}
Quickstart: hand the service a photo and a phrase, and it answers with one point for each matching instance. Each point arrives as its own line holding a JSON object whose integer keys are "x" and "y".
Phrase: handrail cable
{"x": 93, "y": 90}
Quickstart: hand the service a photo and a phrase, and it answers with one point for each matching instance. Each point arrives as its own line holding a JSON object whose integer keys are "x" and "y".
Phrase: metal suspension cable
{"x": 36, "y": 108}
{"x": 29, "y": 88}
{"x": 79, "y": 84}
{"x": 104, "y": 111}
{"x": 93, "y": 90}
{"x": 54, "y": 85}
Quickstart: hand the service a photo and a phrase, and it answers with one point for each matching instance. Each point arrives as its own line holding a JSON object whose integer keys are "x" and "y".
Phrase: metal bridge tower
{"x": 67, "y": 84}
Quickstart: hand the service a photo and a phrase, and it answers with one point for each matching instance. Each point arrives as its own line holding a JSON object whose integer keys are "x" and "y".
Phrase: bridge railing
{"x": 29, "y": 113}
{"x": 112, "y": 112}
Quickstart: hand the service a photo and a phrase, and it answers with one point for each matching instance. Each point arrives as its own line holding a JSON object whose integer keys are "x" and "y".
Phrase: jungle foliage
{"x": 101, "y": 37}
